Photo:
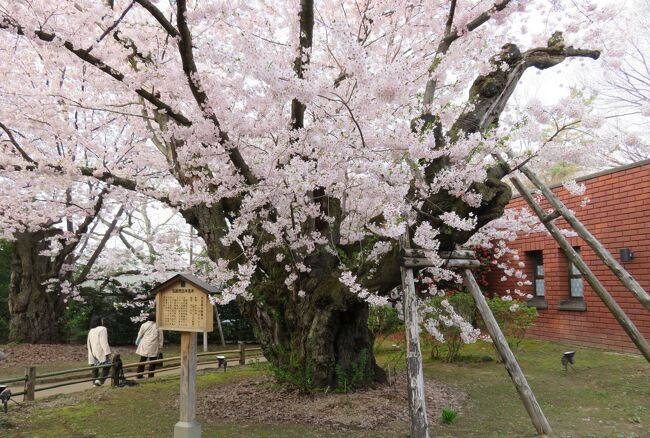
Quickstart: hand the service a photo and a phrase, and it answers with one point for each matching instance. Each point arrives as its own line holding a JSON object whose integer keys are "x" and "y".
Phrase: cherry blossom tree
{"x": 299, "y": 139}
{"x": 51, "y": 232}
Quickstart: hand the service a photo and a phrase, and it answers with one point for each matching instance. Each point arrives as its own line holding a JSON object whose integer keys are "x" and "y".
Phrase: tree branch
{"x": 16, "y": 145}
{"x": 95, "y": 255}
{"x": 452, "y": 35}
{"x": 158, "y": 15}
{"x": 306, "y": 17}
{"x": 201, "y": 98}
{"x": 116, "y": 23}
{"x": 86, "y": 56}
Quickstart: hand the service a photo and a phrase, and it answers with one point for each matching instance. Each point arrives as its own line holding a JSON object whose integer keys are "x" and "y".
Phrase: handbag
{"x": 139, "y": 339}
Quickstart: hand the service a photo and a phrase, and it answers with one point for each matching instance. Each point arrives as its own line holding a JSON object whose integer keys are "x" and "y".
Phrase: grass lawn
{"x": 608, "y": 396}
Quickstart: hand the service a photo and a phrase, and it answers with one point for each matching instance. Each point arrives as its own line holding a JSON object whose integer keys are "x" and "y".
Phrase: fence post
{"x": 115, "y": 379}
{"x": 30, "y": 383}
{"x": 242, "y": 353}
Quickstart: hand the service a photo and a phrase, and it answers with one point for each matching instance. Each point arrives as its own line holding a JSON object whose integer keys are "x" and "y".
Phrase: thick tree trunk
{"x": 35, "y": 312}
{"x": 317, "y": 341}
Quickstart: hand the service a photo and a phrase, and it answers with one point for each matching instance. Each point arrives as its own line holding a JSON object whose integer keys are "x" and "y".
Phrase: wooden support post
{"x": 30, "y": 383}
{"x": 415, "y": 375}
{"x": 527, "y": 397}
{"x": 205, "y": 341}
{"x": 216, "y": 312}
{"x": 598, "y": 248}
{"x": 593, "y": 281}
{"x": 242, "y": 353}
{"x": 187, "y": 426}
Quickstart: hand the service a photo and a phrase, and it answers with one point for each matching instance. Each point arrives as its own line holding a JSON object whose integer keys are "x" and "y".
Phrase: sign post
{"x": 183, "y": 304}
{"x": 187, "y": 426}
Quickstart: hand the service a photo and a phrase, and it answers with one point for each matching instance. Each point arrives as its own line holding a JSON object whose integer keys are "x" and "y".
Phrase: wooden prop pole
{"x": 618, "y": 270}
{"x": 593, "y": 281}
{"x": 216, "y": 313}
{"x": 187, "y": 426}
{"x": 415, "y": 375}
{"x": 527, "y": 397}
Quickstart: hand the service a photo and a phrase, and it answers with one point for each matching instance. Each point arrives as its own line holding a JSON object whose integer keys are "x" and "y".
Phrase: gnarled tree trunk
{"x": 319, "y": 340}
{"x": 35, "y": 312}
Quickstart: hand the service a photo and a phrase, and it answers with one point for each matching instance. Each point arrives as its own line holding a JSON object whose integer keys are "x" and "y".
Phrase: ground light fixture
{"x": 5, "y": 396}
{"x": 567, "y": 360}
{"x": 222, "y": 362}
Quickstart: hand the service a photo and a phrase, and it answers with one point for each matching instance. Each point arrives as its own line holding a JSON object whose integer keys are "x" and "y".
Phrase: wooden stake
{"x": 115, "y": 379}
{"x": 187, "y": 426}
{"x": 30, "y": 383}
{"x": 242, "y": 353}
{"x": 593, "y": 281}
{"x": 527, "y": 397}
{"x": 415, "y": 376}
{"x": 583, "y": 232}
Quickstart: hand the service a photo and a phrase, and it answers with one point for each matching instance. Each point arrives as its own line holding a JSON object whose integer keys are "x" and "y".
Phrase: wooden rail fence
{"x": 50, "y": 380}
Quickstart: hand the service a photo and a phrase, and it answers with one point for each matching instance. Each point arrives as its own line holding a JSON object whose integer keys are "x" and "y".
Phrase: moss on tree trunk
{"x": 35, "y": 311}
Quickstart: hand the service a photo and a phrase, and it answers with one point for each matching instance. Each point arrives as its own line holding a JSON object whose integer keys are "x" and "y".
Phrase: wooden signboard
{"x": 183, "y": 307}
{"x": 183, "y": 304}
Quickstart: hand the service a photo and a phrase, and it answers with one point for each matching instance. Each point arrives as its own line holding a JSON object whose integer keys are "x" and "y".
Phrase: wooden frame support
{"x": 465, "y": 260}
{"x": 415, "y": 374}
{"x": 599, "y": 249}
{"x": 527, "y": 397}
{"x": 596, "y": 285}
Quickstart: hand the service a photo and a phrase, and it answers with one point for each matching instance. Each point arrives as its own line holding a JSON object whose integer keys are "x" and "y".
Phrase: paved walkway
{"x": 84, "y": 386}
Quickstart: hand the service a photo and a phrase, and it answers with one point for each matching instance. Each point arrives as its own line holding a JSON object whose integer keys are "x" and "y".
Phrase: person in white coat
{"x": 99, "y": 352}
{"x": 149, "y": 342}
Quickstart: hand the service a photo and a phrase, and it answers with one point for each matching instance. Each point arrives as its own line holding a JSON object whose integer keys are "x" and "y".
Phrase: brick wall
{"x": 619, "y": 216}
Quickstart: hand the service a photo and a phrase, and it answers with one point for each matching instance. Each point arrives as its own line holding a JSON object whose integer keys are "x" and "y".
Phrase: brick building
{"x": 618, "y": 214}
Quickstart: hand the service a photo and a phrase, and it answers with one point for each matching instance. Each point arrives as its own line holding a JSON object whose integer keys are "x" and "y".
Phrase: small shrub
{"x": 463, "y": 305}
{"x": 292, "y": 372}
{"x": 299, "y": 379}
{"x": 514, "y": 324}
{"x": 346, "y": 382}
{"x": 448, "y": 415}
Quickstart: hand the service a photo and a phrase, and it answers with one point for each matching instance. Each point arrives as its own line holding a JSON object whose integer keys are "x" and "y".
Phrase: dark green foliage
{"x": 513, "y": 324}
{"x": 356, "y": 378}
{"x": 448, "y": 415}
{"x": 235, "y": 326}
{"x": 383, "y": 320}
{"x": 294, "y": 374}
{"x": 123, "y": 331}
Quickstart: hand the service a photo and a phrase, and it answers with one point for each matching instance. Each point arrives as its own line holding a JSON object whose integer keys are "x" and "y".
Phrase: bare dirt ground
{"x": 379, "y": 409}
{"x": 39, "y": 354}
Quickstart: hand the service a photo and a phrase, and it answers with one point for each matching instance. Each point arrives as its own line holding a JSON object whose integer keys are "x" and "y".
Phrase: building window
{"x": 576, "y": 289}
{"x": 537, "y": 259}
{"x": 576, "y": 301}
